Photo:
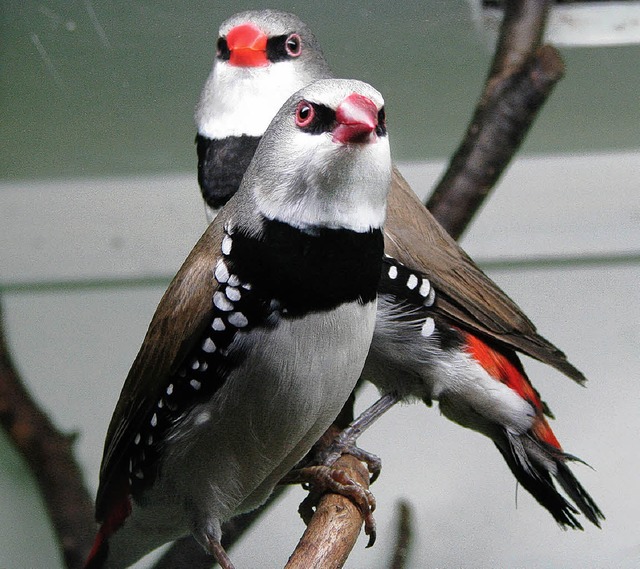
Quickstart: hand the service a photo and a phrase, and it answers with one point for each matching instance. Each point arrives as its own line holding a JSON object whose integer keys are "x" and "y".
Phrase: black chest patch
{"x": 285, "y": 273}
{"x": 221, "y": 165}
{"x": 313, "y": 270}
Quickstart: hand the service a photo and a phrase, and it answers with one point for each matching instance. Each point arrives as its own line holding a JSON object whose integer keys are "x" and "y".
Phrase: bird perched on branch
{"x": 261, "y": 336}
{"x": 444, "y": 330}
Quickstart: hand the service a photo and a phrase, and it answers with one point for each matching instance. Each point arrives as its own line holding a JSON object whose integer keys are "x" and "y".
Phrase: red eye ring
{"x": 293, "y": 45}
{"x": 305, "y": 113}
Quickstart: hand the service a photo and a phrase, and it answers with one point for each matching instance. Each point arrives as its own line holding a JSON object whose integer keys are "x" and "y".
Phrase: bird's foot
{"x": 215, "y": 548}
{"x": 345, "y": 443}
{"x": 320, "y": 479}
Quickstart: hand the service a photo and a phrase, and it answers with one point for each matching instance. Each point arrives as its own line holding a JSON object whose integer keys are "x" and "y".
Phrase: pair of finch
{"x": 293, "y": 293}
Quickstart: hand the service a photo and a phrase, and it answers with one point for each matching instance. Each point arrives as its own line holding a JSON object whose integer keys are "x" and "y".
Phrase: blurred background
{"x": 99, "y": 205}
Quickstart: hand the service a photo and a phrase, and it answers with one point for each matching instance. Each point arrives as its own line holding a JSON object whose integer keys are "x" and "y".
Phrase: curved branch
{"x": 521, "y": 78}
{"x": 49, "y": 454}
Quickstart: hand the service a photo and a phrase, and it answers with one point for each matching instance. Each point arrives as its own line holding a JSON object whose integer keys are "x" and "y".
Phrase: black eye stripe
{"x": 323, "y": 119}
{"x": 381, "y": 129}
{"x": 222, "y": 49}
{"x": 277, "y": 48}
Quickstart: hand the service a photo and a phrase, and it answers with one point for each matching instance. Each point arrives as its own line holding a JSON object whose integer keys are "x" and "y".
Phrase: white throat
{"x": 337, "y": 186}
{"x": 238, "y": 101}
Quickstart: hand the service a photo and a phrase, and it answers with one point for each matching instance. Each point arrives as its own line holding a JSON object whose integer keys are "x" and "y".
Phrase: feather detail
{"x": 464, "y": 293}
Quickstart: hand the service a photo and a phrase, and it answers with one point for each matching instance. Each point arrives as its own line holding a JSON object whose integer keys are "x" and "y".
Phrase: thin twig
{"x": 404, "y": 538}
{"x": 49, "y": 454}
{"x": 520, "y": 80}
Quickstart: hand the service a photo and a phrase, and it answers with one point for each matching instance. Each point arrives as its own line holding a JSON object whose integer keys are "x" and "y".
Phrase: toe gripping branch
{"x": 320, "y": 476}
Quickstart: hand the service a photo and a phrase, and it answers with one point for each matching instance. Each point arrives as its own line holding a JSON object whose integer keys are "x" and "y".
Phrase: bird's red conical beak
{"x": 357, "y": 118}
{"x": 247, "y": 46}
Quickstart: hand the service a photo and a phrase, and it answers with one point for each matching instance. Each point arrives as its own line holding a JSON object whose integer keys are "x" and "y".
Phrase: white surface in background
{"x": 579, "y": 24}
{"x": 74, "y": 348}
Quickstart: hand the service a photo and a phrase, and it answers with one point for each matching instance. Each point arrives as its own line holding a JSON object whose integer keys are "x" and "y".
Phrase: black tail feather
{"x": 537, "y": 480}
{"x": 578, "y": 494}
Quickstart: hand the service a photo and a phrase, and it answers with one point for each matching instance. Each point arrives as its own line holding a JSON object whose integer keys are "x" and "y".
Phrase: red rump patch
{"x": 114, "y": 520}
{"x": 508, "y": 370}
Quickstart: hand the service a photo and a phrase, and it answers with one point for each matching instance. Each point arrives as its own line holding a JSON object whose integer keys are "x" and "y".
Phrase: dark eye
{"x": 305, "y": 113}
{"x": 222, "y": 49}
{"x": 293, "y": 45}
{"x": 382, "y": 123}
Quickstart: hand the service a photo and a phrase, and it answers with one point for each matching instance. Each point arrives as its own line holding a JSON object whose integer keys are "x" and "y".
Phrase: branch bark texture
{"x": 520, "y": 80}
{"x": 49, "y": 454}
{"x": 335, "y": 526}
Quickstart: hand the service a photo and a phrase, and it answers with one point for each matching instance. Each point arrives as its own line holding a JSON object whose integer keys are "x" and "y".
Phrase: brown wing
{"x": 464, "y": 292}
{"x": 179, "y": 320}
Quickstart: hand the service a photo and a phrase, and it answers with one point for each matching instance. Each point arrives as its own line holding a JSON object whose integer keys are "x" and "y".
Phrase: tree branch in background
{"x": 521, "y": 78}
{"x": 404, "y": 537}
{"x": 49, "y": 454}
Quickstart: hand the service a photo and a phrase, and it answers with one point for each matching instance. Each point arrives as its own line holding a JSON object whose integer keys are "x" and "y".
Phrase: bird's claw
{"x": 321, "y": 479}
{"x": 345, "y": 443}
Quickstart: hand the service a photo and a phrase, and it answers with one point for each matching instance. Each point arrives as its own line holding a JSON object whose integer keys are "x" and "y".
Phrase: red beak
{"x": 357, "y": 118}
{"x": 247, "y": 46}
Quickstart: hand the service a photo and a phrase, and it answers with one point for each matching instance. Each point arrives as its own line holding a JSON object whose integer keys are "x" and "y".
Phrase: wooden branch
{"x": 521, "y": 78}
{"x": 49, "y": 454}
{"x": 335, "y": 526}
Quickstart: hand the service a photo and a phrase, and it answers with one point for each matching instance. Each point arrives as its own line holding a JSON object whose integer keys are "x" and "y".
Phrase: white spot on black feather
{"x": 202, "y": 418}
{"x": 393, "y": 272}
{"x": 170, "y": 389}
{"x": 234, "y": 280}
{"x": 218, "y": 325}
{"x": 222, "y": 302}
{"x": 412, "y": 282}
{"x": 233, "y": 294}
{"x": 195, "y": 364}
{"x": 154, "y": 420}
{"x": 195, "y": 384}
{"x": 430, "y": 298}
{"x": 227, "y": 243}
{"x": 425, "y": 287}
{"x": 428, "y": 327}
{"x": 136, "y": 441}
{"x": 221, "y": 272}
{"x": 208, "y": 346}
{"x": 238, "y": 319}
